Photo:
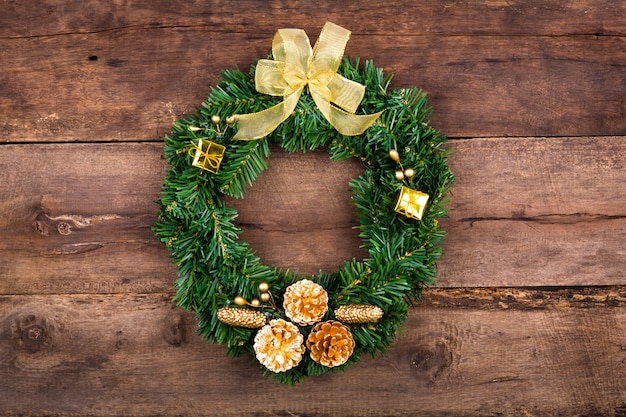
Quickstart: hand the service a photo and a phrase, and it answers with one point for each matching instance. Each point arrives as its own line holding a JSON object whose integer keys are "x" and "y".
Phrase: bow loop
{"x": 347, "y": 94}
{"x": 269, "y": 77}
{"x": 296, "y": 66}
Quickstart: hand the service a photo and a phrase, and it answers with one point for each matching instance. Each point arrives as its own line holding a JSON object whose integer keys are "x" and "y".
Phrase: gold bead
{"x": 240, "y": 301}
{"x": 264, "y": 287}
{"x": 399, "y": 175}
{"x": 265, "y": 297}
{"x": 393, "y": 154}
{"x": 194, "y": 128}
{"x": 409, "y": 172}
{"x": 230, "y": 120}
{"x": 215, "y": 119}
{"x": 255, "y": 303}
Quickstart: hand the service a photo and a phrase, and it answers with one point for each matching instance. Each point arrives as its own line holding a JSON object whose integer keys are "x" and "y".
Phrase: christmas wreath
{"x": 299, "y": 325}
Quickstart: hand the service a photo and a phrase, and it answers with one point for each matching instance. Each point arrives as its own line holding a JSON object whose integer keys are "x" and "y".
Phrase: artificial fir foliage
{"x": 217, "y": 270}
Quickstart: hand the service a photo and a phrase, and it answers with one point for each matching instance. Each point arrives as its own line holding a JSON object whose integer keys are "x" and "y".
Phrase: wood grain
{"x": 529, "y": 253}
{"x": 546, "y": 179}
{"x": 529, "y": 315}
{"x": 536, "y": 210}
{"x": 81, "y": 219}
{"x": 138, "y": 355}
{"x": 531, "y": 17}
{"x": 131, "y": 84}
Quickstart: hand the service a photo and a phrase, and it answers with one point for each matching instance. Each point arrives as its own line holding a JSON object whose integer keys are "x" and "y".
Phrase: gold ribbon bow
{"x": 295, "y": 66}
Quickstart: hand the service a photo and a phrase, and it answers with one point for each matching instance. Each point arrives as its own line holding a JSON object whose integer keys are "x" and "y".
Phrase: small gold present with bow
{"x": 208, "y": 155}
{"x": 411, "y": 203}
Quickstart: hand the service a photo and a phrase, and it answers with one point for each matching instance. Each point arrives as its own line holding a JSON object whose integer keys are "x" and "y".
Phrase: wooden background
{"x": 529, "y": 315}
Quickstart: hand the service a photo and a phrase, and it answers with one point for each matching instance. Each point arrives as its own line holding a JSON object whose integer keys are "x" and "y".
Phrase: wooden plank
{"x": 139, "y": 355}
{"x": 529, "y": 253}
{"x": 130, "y": 84}
{"x": 79, "y": 219}
{"x": 538, "y": 178}
{"x": 536, "y": 211}
{"x": 366, "y": 17}
{"x": 553, "y": 212}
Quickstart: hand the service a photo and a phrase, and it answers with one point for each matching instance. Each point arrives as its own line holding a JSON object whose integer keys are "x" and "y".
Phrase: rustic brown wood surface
{"x": 529, "y": 314}
{"x": 138, "y": 355}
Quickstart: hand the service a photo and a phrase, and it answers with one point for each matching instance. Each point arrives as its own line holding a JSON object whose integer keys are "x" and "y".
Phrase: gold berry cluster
{"x": 402, "y": 173}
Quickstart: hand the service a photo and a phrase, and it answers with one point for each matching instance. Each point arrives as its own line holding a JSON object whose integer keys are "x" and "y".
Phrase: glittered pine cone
{"x": 359, "y": 313}
{"x": 241, "y": 317}
{"x": 330, "y": 343}
{"x": 279, "y": 345}
{"x": 305, "y": 302}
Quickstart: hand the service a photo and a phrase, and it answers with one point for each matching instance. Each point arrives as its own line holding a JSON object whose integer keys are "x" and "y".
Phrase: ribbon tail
{"x": 258, "y": 125}
{"x": 344, "y": 122}
{"x": 351, "y": 124}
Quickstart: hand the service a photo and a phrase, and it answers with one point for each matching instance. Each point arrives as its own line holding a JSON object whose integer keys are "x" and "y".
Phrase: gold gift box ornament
{"x": 411, "y": 203}
{"x": 208, "y": 155}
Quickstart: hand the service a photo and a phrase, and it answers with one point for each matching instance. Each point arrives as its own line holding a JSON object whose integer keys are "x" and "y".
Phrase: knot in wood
{"x": 34, "y": 333}
{"x": 30, "y": 332}
{"x": 33, "y": 338}
{"x": 64, "y": 228}
{"x": 173, "y": 329}
{"x": 431, "y": 364}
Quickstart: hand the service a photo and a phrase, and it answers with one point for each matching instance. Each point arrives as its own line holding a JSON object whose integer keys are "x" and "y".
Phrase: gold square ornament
{"x": 208, "y": 156}
{"x": 411, "y": 203}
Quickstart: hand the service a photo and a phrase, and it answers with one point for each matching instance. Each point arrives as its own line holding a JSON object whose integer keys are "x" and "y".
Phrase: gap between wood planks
{"x": 525, "y": 298}
{"x": 211, "y": 29}
{"x": 548, "y": 218}
{"x": 476, "y": 298}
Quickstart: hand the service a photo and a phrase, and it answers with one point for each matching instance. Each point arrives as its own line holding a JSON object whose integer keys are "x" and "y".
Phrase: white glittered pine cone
{"x": 305, "y": 302}
{"x": 279, "y": 345}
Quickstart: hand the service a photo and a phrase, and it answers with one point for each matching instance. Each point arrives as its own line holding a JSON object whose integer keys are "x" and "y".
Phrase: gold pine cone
{"x": 330, "y": 343}
{"x": 241, "y": 317}
{"x": 359, "y": 313}
{"x": 279, "y": 345}
{"x": 305, "y": 302}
